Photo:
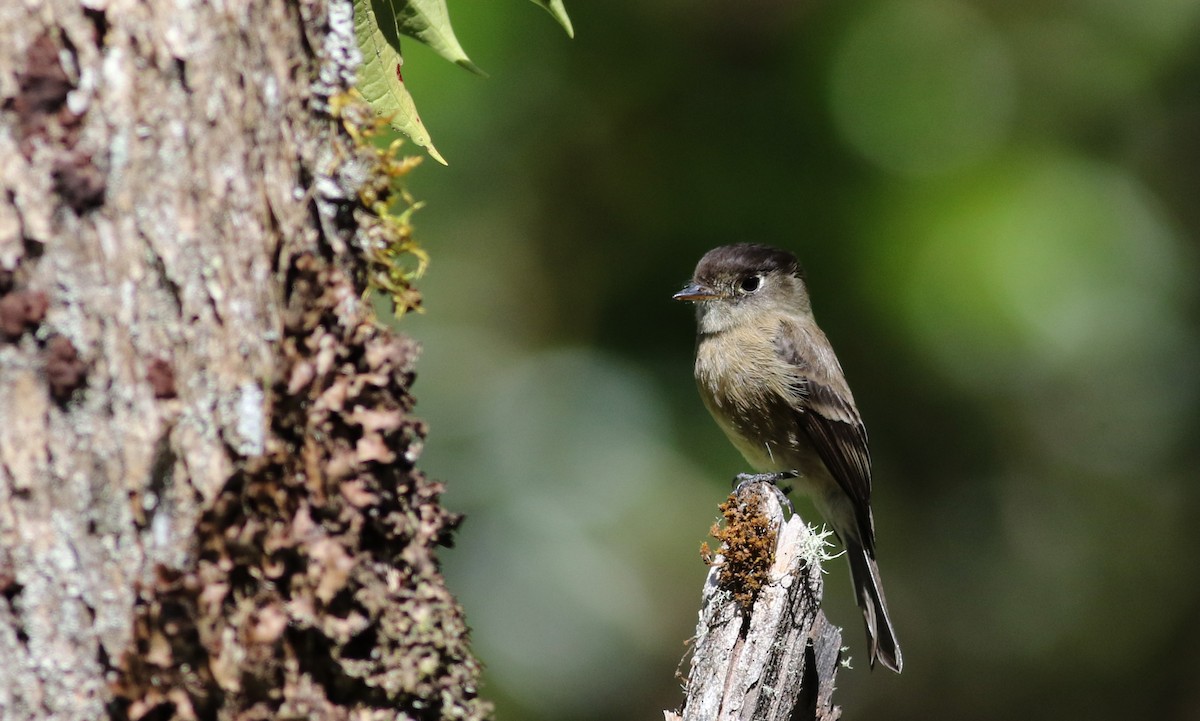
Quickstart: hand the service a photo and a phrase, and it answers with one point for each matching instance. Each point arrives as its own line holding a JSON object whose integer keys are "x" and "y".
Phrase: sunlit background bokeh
{"x": 998, "y": 207}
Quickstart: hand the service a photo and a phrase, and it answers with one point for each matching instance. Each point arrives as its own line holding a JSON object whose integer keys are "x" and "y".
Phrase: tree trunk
{"x": 763, "y": 650}
{"x": 208, "y": 504}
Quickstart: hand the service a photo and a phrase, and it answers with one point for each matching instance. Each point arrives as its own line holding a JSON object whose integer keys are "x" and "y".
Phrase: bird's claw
{"x": 745, "y": 479}
{"x": 771, "y": 479}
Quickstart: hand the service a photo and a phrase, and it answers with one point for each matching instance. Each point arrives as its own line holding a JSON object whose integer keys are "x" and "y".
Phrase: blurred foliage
{"x": 378, "y": 25}
{"x": 995, "y": 203}
{"x": 380, "y": 80}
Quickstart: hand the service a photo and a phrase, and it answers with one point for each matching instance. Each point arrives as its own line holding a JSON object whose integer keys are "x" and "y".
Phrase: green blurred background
{"x": 997, "y": 206}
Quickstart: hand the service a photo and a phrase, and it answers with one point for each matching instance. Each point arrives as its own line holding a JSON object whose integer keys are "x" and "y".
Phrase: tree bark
{"x": 764, "y": 650}
{"x": 208, "y": 500}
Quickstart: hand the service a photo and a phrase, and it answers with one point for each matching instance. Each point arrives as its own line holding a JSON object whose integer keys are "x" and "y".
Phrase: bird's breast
{"x": 748, "y": 389}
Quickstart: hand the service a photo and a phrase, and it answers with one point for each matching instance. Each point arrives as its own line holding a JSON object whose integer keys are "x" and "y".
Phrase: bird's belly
{"x": 752, "y": 402}
{"x": 773, "y": 446}
{"x": 764, "y": 430}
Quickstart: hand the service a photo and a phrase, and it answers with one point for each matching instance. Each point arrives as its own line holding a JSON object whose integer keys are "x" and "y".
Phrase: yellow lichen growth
{"x": 395, "y": 261}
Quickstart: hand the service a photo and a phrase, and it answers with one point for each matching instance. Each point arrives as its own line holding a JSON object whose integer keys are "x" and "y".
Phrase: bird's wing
{"x": 826, "y": 413}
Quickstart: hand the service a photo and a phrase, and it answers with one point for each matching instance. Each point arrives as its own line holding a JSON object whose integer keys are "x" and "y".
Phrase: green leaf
{"x": 555, "y": 8}
{"x": 380, "y": 80}
{"x": 429, "y": 22}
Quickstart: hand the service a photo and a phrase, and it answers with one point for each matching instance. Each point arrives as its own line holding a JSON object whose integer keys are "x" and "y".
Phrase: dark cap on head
{"x": 732, "y": 260}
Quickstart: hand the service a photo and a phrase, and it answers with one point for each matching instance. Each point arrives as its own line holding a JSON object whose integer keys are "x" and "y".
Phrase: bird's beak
{"x": 696, "y": 291}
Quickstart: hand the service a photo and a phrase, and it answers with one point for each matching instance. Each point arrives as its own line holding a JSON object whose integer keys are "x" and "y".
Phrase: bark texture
{"x": 764, "y": 650}
{"x": 208, "y": 501}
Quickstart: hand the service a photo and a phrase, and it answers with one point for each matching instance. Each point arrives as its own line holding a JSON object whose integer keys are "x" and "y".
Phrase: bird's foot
{"x": 772, "y": 480}
{"x": 745, "y": 479}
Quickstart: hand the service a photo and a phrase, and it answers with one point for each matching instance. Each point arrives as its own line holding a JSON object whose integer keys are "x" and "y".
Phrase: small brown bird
{"x": 770, "y": 379}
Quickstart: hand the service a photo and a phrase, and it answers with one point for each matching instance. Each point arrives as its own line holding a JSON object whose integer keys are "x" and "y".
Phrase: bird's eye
{"x": 751, "y": 283}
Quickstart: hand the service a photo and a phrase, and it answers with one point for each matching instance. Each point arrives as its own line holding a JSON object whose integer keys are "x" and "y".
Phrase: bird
{"x": 770, "y": 378}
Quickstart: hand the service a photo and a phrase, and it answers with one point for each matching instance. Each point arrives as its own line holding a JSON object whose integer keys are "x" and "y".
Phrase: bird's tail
{"x": 881, "y": 637}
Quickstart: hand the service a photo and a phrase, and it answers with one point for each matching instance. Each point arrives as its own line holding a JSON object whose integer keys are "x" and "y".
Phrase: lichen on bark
{"x": 316, "y": 591}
